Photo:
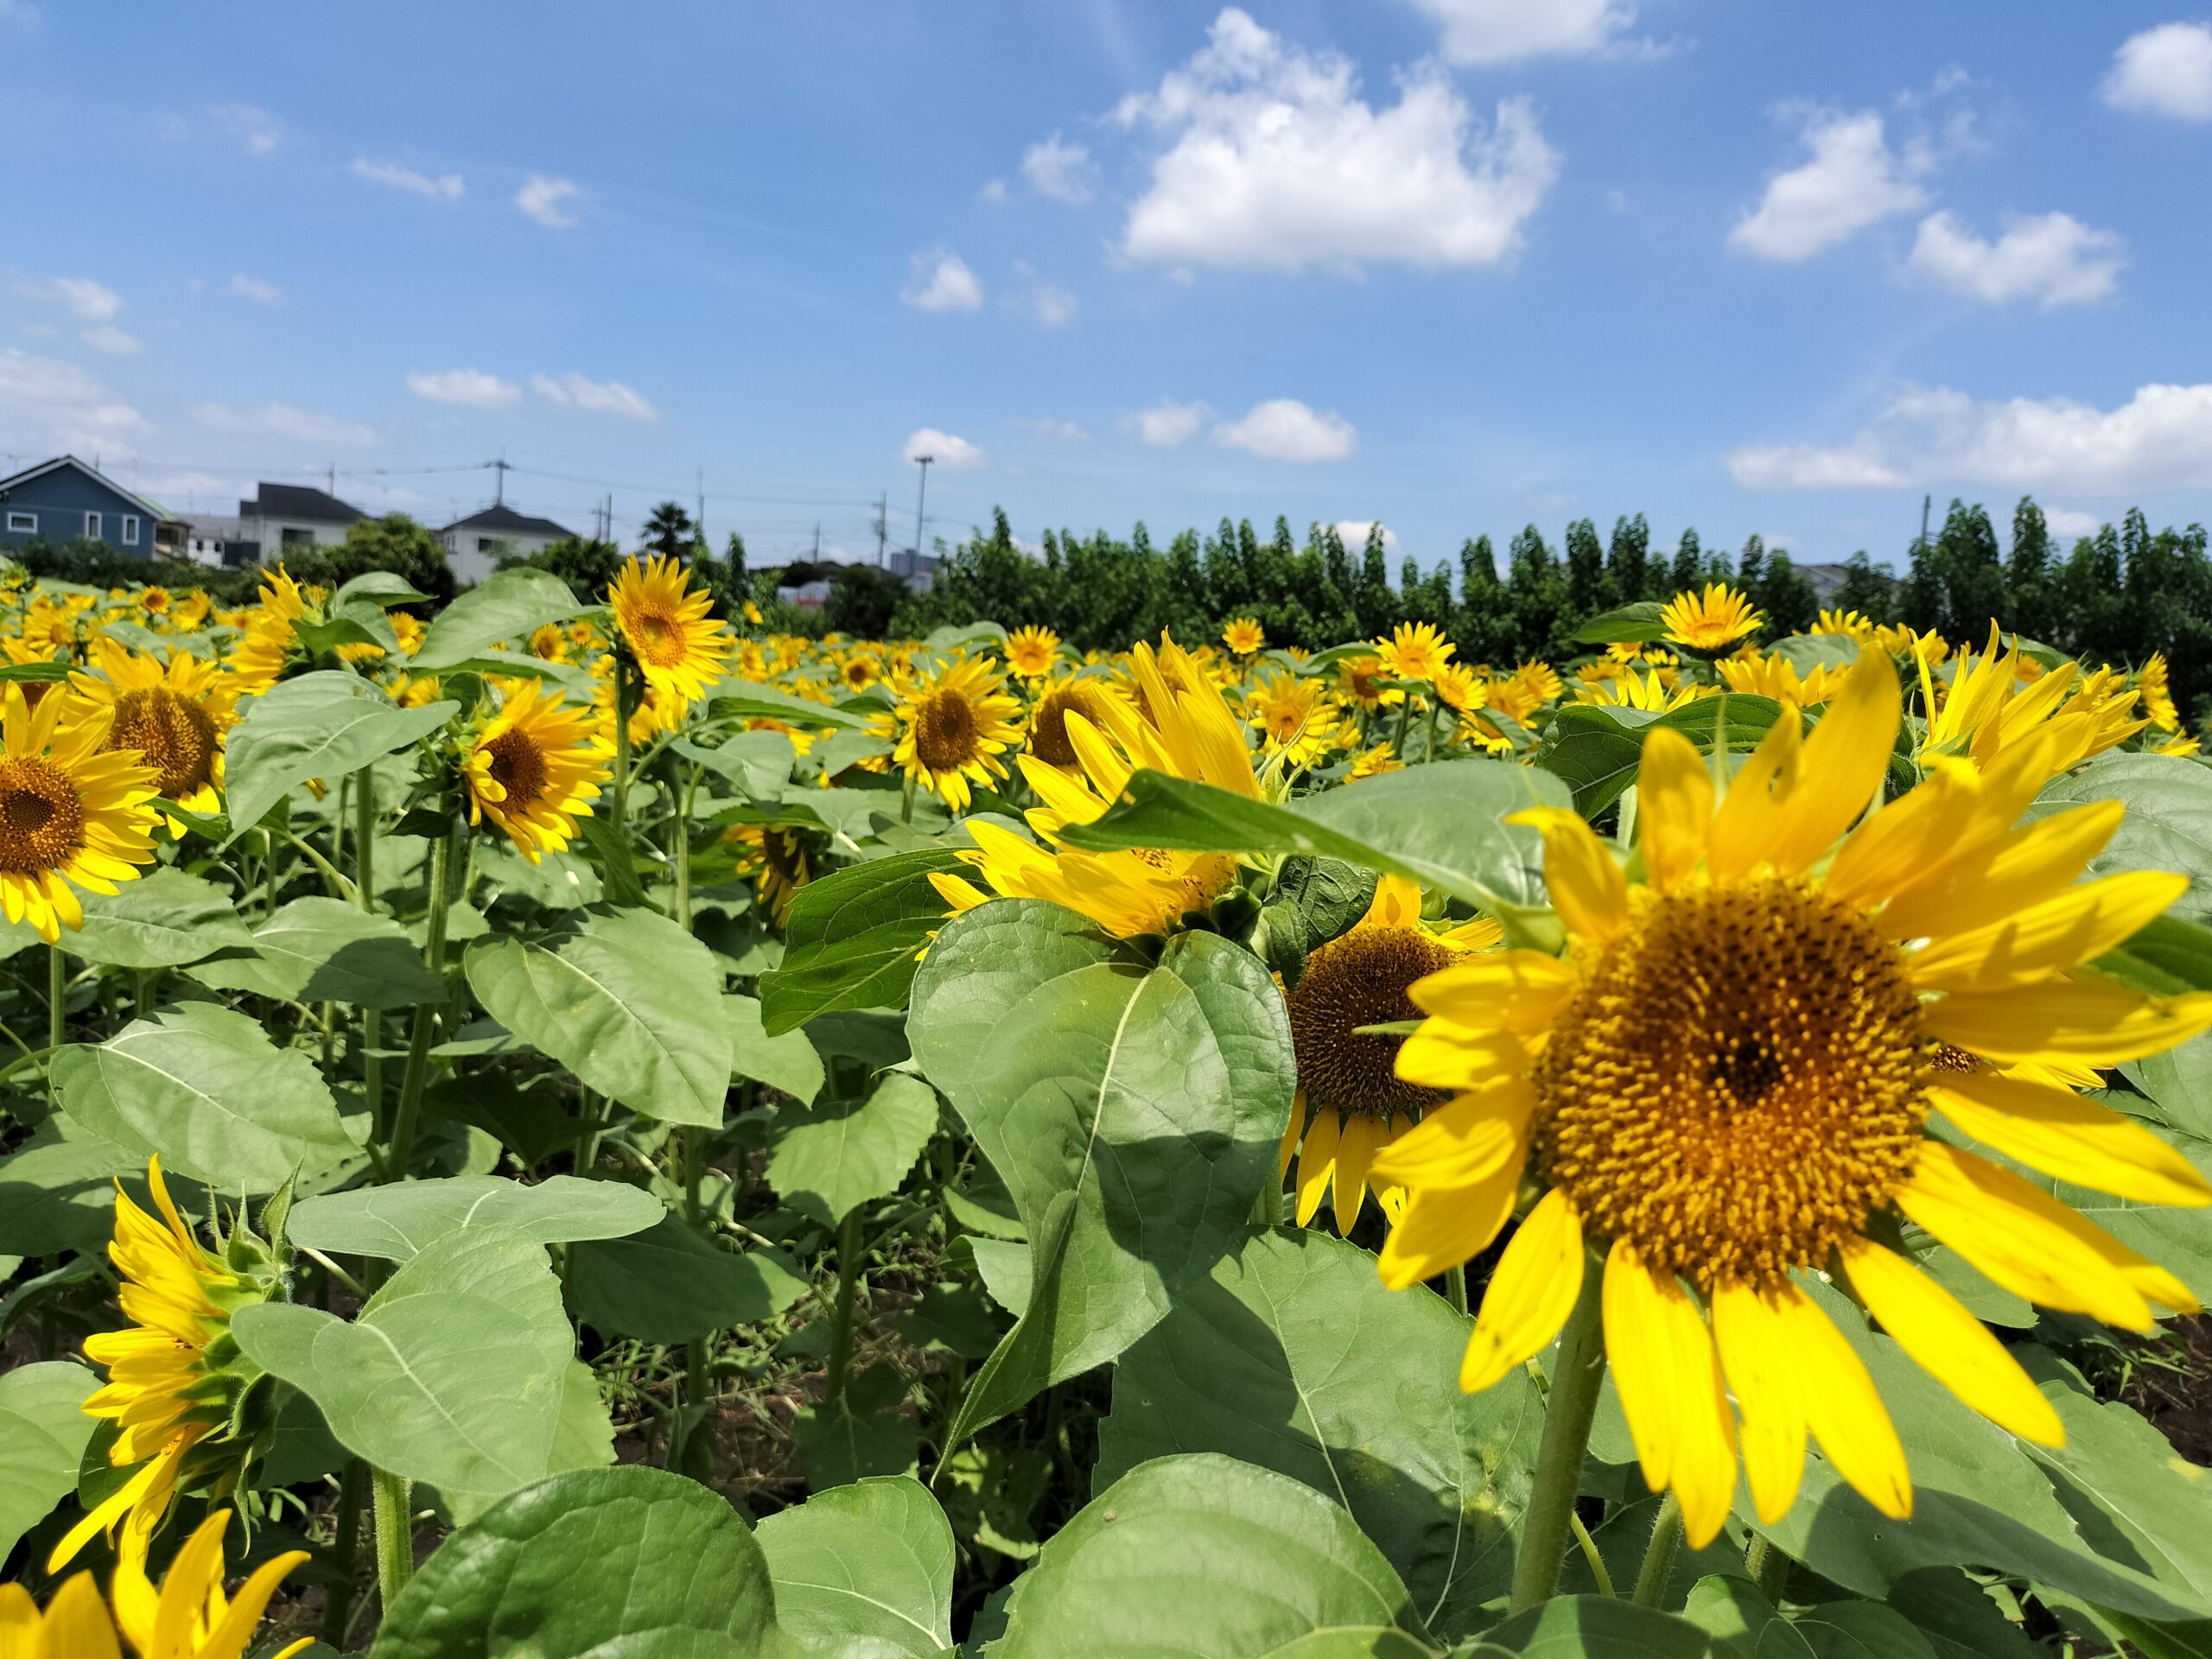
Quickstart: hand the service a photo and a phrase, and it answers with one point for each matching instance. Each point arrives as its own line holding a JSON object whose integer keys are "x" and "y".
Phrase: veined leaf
{"x": 163, "y": 919}
{"x": 507, "y": 605}
{"x": 667, "y": 1284}
{"x": 844, "y": 1153}
{"x": 321, "y": 725}
{"x": 854, "y": 936}
{"x": 321, "y": 949}
{"x": 43, "y": 1433}
{"x": 873, "y": 1559}
{"x": 398, "y": 1223}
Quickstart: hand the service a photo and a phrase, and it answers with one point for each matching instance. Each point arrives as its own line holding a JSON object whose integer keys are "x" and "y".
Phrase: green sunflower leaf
{"x": 871, "y": 1560}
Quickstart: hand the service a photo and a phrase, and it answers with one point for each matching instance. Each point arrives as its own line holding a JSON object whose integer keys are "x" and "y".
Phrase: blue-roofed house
{"x": 62, "y": 500}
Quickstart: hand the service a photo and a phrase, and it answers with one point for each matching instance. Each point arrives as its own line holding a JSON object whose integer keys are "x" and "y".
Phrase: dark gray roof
{"x": 298, "y": 501}
{"x": 495, "y": 519}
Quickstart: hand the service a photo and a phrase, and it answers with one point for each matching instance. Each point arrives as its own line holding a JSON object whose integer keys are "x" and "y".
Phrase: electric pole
{"x": 1926, "y": 502}
{"x": 921, "y": 497}
{"x": 882, "y": 523}
{"x": 499, "y": 480}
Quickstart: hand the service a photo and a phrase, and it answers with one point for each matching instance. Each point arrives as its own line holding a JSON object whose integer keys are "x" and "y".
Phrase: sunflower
{"x": 409, "y": 629}
{"x": 1417, "y": 651}
{"x": 859, "y": 671}
{"x": 1727, "y": 1080}
{"x": 1345, "y": 1075}
{"x": 70, "y": 810}
{"x": 677, "y": 645}
{"x": 1630, "y": 691}
{"x": 1849, "y": 623}
{"x": 534, "y": 768}
{"x": 1990, "y": 704}
{"x": 188, "y": 1617}
{"x": 174, "y": 716}
{"x": 1294, "y": 717}
{"x": 1188, "y": 731}
{"x": 1046, "y": 729}
{"x": 1763, "y": 674}
{"x": 189, "y": 615}
{"x": 1360, "y": 681}
{"x": 2153, "y": 685}
{"x": 1373, "y": 763}
{"x": 1460, "y": 688}
{"x": 1718, "y": 616}
{"x": 155, "y": 600}
{"x": 259, "y": 658}
{"x": 1244, "y": 635}
{"x": 951, "y": 726}
{"x": 48, "y": 627}
{"x": 1030, "y": 652}
{"x": 548, "y": 643}
{"x": 778, "y": 863}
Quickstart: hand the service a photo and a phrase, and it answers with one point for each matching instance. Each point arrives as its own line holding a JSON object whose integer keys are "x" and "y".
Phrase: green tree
{"x": 398, "y": 543}
{"x": 586, "y": 564}
{"x": 668, "y": 533}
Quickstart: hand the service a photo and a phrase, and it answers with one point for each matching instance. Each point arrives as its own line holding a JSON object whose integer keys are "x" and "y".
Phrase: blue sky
{"x": 1453, "y": 265}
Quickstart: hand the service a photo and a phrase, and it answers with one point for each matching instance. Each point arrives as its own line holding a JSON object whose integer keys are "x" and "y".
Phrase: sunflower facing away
{"x": 1345, "y": 1075}
{"x": 677, "y": 645}
{"x": 1728, "y": 1081}
{"x": 1046, "y": 730}
{"x": 1031, "y": 652}
{"x": 69, "y": 810}
{"x": 535, "y": 768}
{"x": 1718, "y": 616}
{"x": 951, "y": 726}
{"x": 174, "y": 716}
{"x": 188, "y": 1617}
{"x": 778, "y": 863}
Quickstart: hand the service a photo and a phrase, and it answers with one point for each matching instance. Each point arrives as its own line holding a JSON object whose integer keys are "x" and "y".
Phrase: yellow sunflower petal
{"x": 2077, "y": 926}
{"x": 2060, "y": 1134}
{"x": 1316, "y": 1163}
{"x": 1673, "y": 807}
{"x": 1444, "y": 1226}
{"x": 1790, "y": 801}
{"x": 1533, "y": 1290}
{"x": 1464, "y": 1141}
{"x": 1761, "y": 1365}
{"x": 1356, "y": 1145}
{"x": 2092, "y": 1020}
{"x": 1668, "y": 1379}
{"x": 77, "y": 1624}
{"x": 1587, "y": 886}
{"x": 2032, "y": 863}
{"x": 1842, "y": 1407}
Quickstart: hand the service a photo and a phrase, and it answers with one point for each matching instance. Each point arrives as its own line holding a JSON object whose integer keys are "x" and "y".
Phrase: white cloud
{"x": 41, "y": 331}
{"x": 1282, "y": 429}
{"x": 276, "y": 420}
{"x": 546, "y": 200}
{"x": 1352, "y": 532}
{"x": 1045, "y": 427}
{"x": 259, "y": 132}
{"x": 1168, "y": 424}
{"x": 995, "y": 193}
{"x": 46, "y": 403}
{"x": 942, "y": 447}
{"x": 2161, "y": 438}
{"x": 444, "y": 186}
{"x": 250, "y": 288}
{"x": 83, "y": 298}
{"x": 2063, "y": 521}
{"x": 2164, "y": 70}
{"x": 1274, "y": 160}
{"x": 1497, "y": 31}
{"x": 470, "y": 388}
{"x": 1057, "y": 171}
{"x": 597, "y": 397}
{"x": 2054, "y": 259}
{"x": 939, "y": 280}
{"x": 112, "y": 341}
{"x": 1050, "y": 305}
{"x": 1851, "y": 180}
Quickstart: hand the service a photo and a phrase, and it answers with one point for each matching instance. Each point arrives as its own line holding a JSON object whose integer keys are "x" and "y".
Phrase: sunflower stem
{"x": 1428, "y": 749}
{"x": 364, "y": 895}
{"x": 680, "y": 838}
{"x": 841, "y": 1312}
{"x": 57, "y": 1016}
{"x": 1659, "y": 1555}
{"x": 346, "y": 1519}
{"x": 1567, "y": 1413}
{"x": 1768, "y": 1565}
{"x": 395, "y": 1533}
{"x": 1590, "y": 1555}
{"x": 426, "y": 1014}
{"x": 625, "y": 701}
{"x": 1455, "y": 1286}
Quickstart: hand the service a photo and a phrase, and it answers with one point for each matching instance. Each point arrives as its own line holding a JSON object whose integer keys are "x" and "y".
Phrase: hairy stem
{"x": 1568, "y": 1414}
{"x": 1659, "y": 1555}
{"x": 395, "y": 1533}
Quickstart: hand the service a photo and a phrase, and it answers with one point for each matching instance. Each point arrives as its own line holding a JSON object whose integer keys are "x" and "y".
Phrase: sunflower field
{"x": 569, "y": 1124}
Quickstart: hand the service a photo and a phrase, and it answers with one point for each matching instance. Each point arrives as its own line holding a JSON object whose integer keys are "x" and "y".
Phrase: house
{"x": 62, "y": 500}
{"x": 285, "y": 517}
{"x": 475, "y": 544}
{"x": 212, "y": 538}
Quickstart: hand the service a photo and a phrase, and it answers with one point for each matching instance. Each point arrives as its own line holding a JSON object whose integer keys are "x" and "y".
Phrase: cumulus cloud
{"x": 546, "y": 200}
{"x": 1058, "y": 171}
{"x": 1851, "y": 180}
{"x": 942, "y": 448}
{"x": 470, "y": 388}
{"x": 257, "y": 132}
{"x": 111, "y": 341}
{"x": 83, "y": 298}
{"x": 1168, "y": 424}
{"x": 443, "y": 186}
{"x": 2161, "y": 438}
{"x": 1353, "y": 533}
{"x": 2063, "y": 521}
{"x": 1274, "y": 160}
{"x": 279, "y": 420}
{"x": 250, "y": 288}
{"x": 2053, "y": 260}
{"x": 939, "y": 280}
{"x": 2164, "y": 70}
{"x": 46, "y": 403}
{"x": 1045, "y": 426}
{"x": 1498, "y": 31}
{"x": 597, "y": 397}
{"x": 1282, "y": 429}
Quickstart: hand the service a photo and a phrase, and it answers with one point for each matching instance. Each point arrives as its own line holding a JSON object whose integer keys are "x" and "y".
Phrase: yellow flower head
{"x": 675, "y": 644}
{"x": 259, "y": 658}
{"x": 1417, "y": 651}
{"x": 1244, "y": 635}
{"x": 1850, "y": 623}
{"x": 1761, "y": 674}
{"x": 951, "y": 726}
{"x": 1991, "y": 703}
{"x": 1718, "y": 616}
{"x": 1031, "y": 652}
{"x": 1294, "y": 719}
{"x": 1045, "y": 731}
{"x": 2152, "y": 686}
{"x": 1360, "y": 682}
{"x": 859, "y": 671}
{"x": 1727, "y": 1080}
{"x": 174, "y": 716}
{"x": 534, "y": 768}
{"x": 1373, "y": 763}
{"x": 71, "y": 810}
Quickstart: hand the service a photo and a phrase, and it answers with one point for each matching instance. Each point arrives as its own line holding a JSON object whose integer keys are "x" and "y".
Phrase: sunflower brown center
{"x": 518, "y": 768}
{"x": 1048, "y": 728}
{"x": 176, "y": 737}
{"x": 42, "y": 817}
{"x": 1737, "y": 1086}
{"x": 658, "y": 639}
{"x": 944, "y": 731}
{"x": 1361, "y": 979}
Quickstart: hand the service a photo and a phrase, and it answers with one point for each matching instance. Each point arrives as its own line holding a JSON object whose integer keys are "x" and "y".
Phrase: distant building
{"x": 62, "y": 500}
{"x": 475, "y": 544}
{"x": 285, "y": 517}
{"x": 1824, "y": 578}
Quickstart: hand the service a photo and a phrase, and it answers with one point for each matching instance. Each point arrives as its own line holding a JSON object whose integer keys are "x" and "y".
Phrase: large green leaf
{"x": 1291, "y": 1355}
{"x": 1139, "y": 1109}
{"x": 206, "y": 1088}
{"x": 398, "y": 1223}
{"x": 1599, "y": 1627}
{"x": 760, "y": 763}
{"x": 1859, "y": 1630}
{"x": 57, "y": 1190}
{"x": 851, "y": 938}
{"x": 749, "y": 700}
{"x": 870, "y": 1559}
{"x": 844, "y": 1153}
{"x": 321, "y": 725}
{"x": 452, "y": 1374}
{"x": 43, "y": 1433}
{"x": 628, "y": 1001}
{"x": 320, "y": 950}
{"x": 1202, "y": 1555}
{"x": 163, "y": 919}
{"x": 506, "y": 605}
{"x": 787, "y": 1061}
{"x": 1442, "y": 824}
{"x": 667, "y": 1284}
{"x": 1628, "y": 625}
{"x": 607, "y": 1564}
{"x": 2169, "y": 822}
{"x": 1742, "y": 1623}
{"x": 1596, "y": 748}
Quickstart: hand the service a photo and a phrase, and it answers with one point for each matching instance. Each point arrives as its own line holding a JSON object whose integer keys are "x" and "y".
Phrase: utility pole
{"x": 499, "y": 477}
{"x": 1926, "y": 502}
{"x": 921, "y": 497}
{"x": 699, "y": 522}
{"x": 817, "y": 541}
{"x": 882, "y": 523}
{"x": 329, "y": 480}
